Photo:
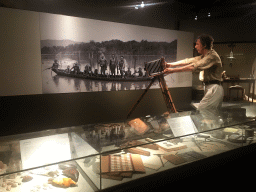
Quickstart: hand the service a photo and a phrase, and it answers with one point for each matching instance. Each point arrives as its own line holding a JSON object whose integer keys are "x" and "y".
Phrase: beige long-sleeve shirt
{"x": 210, "y": 64}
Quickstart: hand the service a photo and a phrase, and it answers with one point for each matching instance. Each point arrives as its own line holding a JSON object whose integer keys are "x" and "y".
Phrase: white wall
{"x": 20, "y": 57}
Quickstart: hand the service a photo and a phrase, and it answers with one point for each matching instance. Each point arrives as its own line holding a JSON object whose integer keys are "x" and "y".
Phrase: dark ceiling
{"x": 180, "y": 9}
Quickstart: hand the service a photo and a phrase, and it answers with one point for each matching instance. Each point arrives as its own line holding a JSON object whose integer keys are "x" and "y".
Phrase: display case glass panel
{"x": 98, "y": 156}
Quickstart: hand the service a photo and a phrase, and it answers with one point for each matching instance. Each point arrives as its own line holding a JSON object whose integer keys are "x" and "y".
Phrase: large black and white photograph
{"x": 86, "y": 55}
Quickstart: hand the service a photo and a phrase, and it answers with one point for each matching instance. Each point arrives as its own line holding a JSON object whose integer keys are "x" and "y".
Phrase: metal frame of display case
{"x": 211, "y": 136}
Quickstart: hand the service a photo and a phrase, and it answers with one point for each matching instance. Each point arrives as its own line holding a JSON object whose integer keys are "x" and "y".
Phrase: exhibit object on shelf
{"x": 71, "y": 173}
{"x": 136, "y": 150}
{"x": 121, "y": 166}
{"x": 27, "y": 178}
{"x": 138, "y": 125}
{"x": 168, "y": 145}
{"x": 62, "y": 182}
{"x": 175, "y": 159}
{"x": 140, "y": 143}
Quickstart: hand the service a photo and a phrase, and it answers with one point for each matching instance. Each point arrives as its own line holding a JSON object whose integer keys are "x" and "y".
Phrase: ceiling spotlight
{"x": 142, "y": 4}
{"x": 209, "y": 14}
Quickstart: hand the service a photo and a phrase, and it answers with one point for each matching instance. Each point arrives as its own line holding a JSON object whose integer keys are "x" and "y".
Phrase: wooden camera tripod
{"x": 166, "y": 94}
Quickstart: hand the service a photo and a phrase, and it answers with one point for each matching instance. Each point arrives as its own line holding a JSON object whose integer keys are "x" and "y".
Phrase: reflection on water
{"x": 60, "y": 84}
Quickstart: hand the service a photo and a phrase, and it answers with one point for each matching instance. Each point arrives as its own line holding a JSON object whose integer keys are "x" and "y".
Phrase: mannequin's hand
{"x": 167, "y": 65}
{"x": 168, "y": 71}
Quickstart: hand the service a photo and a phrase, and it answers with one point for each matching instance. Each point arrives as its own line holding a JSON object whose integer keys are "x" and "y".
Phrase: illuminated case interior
{"x": 100, "y": 156}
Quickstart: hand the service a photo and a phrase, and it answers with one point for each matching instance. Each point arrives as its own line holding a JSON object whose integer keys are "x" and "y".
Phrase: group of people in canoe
{"x": 116, "y": 68}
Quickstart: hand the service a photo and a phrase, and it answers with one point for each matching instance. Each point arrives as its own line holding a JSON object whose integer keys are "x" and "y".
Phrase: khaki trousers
{"x": 213, "y": 97}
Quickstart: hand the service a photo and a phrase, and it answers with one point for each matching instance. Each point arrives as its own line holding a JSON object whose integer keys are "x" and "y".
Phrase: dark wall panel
{"x": 29, "y": 113}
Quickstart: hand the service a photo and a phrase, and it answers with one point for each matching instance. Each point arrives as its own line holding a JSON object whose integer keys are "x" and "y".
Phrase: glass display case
{"x": 95, "y": 157}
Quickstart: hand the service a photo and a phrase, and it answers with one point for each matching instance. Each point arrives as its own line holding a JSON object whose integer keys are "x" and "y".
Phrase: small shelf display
{"x": 95, "y": 157}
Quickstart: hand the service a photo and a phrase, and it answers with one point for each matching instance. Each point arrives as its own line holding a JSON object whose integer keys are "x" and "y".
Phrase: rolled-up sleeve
{"x": 193, "y": 59}
{"x": 187, "y": 60}
{"x": 205, "y": 63}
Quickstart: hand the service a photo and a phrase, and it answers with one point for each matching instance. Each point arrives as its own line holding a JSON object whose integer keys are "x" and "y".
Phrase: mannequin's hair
{"x": 206, "y": 40}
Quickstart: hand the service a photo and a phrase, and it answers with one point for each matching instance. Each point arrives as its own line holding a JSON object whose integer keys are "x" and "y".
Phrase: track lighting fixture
{"x": 142, "y": 4}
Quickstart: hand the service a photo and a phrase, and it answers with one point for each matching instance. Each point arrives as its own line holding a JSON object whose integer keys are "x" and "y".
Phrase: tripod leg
{"x": 166, "y": 94}
{"x": 141, "y": 97}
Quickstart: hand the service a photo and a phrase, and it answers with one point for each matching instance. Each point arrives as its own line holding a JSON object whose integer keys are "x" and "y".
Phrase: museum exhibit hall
{"x": 127, "y": 95}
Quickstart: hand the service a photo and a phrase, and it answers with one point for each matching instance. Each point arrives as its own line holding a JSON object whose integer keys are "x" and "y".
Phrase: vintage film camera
{"x": 155, "y": 67}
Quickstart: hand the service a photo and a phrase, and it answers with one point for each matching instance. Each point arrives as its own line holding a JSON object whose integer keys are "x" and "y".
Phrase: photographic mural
{"x": 86, "y": 55}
